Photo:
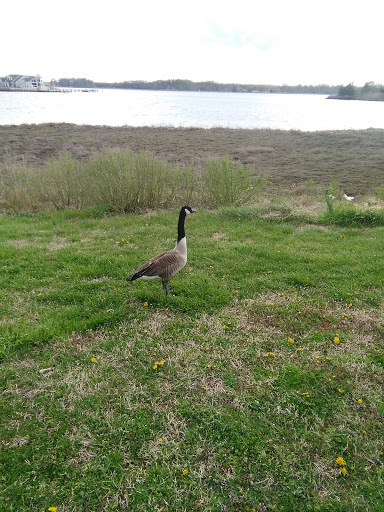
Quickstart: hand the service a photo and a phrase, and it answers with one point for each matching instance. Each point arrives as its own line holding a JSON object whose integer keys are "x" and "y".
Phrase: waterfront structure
{"x": 22, "y": 82}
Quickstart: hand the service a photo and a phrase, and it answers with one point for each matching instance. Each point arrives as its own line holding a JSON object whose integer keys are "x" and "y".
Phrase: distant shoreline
{"x": 353, "y": 99}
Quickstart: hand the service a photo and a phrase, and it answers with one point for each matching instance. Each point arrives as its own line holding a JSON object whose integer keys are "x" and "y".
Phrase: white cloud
{"x": 246, "y": 41}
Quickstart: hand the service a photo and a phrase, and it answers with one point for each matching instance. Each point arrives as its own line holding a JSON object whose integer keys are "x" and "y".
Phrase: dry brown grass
{"x": 354, "y": 159}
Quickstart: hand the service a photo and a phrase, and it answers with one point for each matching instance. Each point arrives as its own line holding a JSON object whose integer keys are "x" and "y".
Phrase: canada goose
{"x": 168, "y": 263}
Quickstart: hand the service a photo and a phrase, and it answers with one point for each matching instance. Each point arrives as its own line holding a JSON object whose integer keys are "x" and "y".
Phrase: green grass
{"x": 255, "y": 399}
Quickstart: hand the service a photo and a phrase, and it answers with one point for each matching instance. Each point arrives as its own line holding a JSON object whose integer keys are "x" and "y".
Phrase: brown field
{"x": 353, "y": 159}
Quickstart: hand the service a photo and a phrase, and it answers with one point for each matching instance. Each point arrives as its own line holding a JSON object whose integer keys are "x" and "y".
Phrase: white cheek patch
{"x": 186, "y": 211}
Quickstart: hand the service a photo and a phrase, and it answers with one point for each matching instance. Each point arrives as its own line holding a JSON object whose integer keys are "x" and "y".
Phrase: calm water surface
{"x": 190, "y": 109}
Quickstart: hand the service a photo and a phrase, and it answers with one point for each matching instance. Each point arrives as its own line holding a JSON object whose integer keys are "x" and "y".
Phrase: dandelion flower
{"x": 145, "y": 303}
{"x": 364, "y": 432}
{"x": 93, "y": 360}
{"x": 52, "y": 509}
{"x": 185, "y": 471}
{"x": 344, "y": 471}
{"x": 160, "y": 439}
{"x": 291, "y": 340}
{"x": 336, "y": 339}
{"x": 359, "y": 401}
{"x": 340, "y": 461}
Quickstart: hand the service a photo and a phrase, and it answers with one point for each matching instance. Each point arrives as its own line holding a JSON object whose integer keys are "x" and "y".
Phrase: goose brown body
{"x": 168, "y": 263}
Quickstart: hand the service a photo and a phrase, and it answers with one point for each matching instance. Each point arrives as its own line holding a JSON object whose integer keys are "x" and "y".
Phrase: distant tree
{"x": 347, "y": 91}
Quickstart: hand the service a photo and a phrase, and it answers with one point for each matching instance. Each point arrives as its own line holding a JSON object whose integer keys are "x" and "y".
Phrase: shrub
{"x": 60, "y": 183}
{"x": 117, "y": 180}
{"x": 226, "y": 183}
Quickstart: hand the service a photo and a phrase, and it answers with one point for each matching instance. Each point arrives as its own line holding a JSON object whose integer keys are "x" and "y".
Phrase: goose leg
{"x": 165, "y": 286}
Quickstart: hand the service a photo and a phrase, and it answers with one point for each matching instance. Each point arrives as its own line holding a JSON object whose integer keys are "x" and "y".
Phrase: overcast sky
{"x": 239, "y": 41}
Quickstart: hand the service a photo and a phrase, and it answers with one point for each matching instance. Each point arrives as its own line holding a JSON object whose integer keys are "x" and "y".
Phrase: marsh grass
{"x": 123, "y": 181}
{"x": 252, "y": 399}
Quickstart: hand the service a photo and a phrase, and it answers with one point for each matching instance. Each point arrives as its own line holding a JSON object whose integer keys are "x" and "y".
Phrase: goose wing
{"x": 163, "y": 265}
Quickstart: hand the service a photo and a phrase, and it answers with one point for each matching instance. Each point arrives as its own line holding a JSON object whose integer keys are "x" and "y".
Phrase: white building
{"x": 24, "y": 82}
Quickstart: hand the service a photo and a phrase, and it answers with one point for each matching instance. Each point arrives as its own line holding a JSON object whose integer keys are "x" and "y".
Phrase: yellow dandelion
{"x": 145, "y": 303}
{"x": 336, "y": 339}
{"x": 298, "y": 349}
{"x": 291, "y": 340}
{"x": 364, "y": 432}
{"x": 145, "y": 330}
{"x": 185, "y": 471}
{"x": 359, "y": 401}
{"x": 93, "y": 360}
{"x": 340, "y": 390}
{"x": 52, "y": 509}
{"x": 160, "y": 439}
{"x": 350, "y": 305}
{"x": 340, "y": 461}
{"x": 344, "y": 471}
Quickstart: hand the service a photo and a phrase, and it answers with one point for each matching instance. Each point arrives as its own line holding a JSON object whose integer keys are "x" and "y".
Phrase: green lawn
{"x": 238, "y": 393}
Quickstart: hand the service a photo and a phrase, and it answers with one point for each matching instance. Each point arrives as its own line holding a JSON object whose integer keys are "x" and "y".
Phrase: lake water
{"x": 190, "y": 109}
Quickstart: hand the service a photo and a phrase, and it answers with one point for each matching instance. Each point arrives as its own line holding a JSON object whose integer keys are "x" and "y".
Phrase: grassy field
{"x": 257, "y": 386}
{"x": 353, "y": 159}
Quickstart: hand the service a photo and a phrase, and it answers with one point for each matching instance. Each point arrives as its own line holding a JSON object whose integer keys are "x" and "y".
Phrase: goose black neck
{"x": 180, "y": 227}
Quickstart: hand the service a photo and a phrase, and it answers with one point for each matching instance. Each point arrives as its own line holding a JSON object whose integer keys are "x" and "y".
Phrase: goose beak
{"x": 193, "y": 211}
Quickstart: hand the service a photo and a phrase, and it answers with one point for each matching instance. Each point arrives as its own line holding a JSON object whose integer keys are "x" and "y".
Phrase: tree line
{"x": 370, "y": 91}
{"x": 188, "y": 85}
